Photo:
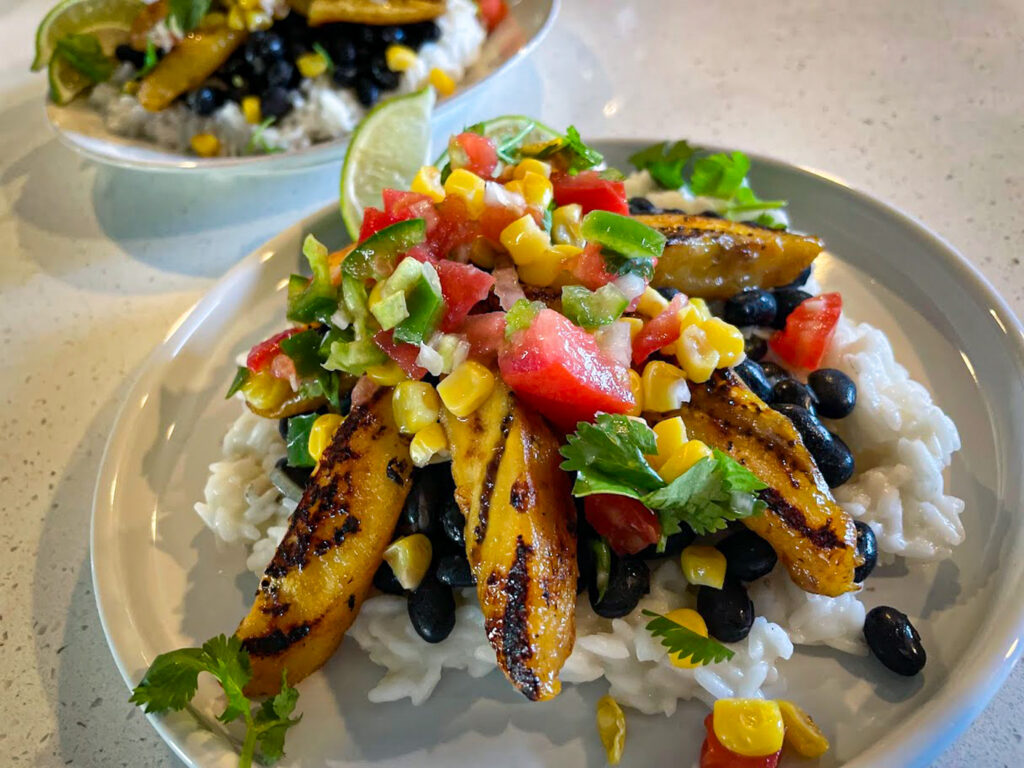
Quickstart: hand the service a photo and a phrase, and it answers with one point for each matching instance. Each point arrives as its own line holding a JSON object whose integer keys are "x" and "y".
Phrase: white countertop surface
{"x": 919, "y": 103}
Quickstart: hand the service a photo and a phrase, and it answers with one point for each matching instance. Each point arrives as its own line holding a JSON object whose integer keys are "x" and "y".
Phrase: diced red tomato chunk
{"x": 714, "y": 755}
{"x": 480, "y": 153}
{"x": 263, "y": 354}
{"x": 591, "y": 192}
{"x": 463, "y": 287}
{"x": 626, "y": 524}
{"x": 492, "y": 12}
{"x": 401, "y": 352}
{"x": 398, "y": 206}
{"x": 454, "y": 228}
{"x": 588, "y": 268}
{"x": 659, "y": 331}
{"x": 558, "y": 369}
{"x": 485, "y": 334}
{"x": 809, "y": 329}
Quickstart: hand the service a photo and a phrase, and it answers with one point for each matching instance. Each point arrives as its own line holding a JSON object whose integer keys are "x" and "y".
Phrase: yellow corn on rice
{"x": 748, "y": 727}
{"x": 251, "y": 110}
{"x": 703, "y": 566}
{"x": 611, "y": 727}
{"x": 636, "y": 385}
{"x": 399, "y": 57}
{"x": 566, "y": 224}
{"x": 442, "y": 81}
{"x": 409, "y": 558}
{"x": 311, "y": 64}
{"x": 802, "y": 733}
{"x": 693, "y": 621}
{"x": 466, "y": 388}
{"x": 205, "y": 145}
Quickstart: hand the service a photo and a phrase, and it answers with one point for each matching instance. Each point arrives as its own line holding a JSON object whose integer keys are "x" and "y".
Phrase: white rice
{"x": 902, "y": 443}
{"x": 321, "y": 110}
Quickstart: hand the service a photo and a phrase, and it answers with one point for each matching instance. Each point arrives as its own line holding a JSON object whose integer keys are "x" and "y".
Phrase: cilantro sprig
{"x": 609, "y": 456}
{"x": 173, "y": 678}
{"x": 685, "y": 642}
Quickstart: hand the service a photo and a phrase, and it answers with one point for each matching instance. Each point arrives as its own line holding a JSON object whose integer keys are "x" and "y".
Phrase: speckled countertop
{"x": 920, "y": 103}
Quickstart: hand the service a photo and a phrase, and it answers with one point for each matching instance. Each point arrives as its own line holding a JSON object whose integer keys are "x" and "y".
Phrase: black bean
{"x": 126, "y": 53}
{"x": 675, "y": 544}
{"x": 275, "y": 103}
{"x": 385, "y": 580}
{"x": 800, "y": 280}
{"x": 423, "y": 32}
{"x": 367, "y": 92}
{"x": 628, "y": 581}
{"x": 774, "y": 372}
{"x": 894, "y": 641}
{"x": 836, "y": 392}
{"x": 282, "y": 74}
{"x": 384, "y": 77}
{"x": 867, "y": 548}
{"x": 813, "y": 433}
{"x": 668, "y": 293}
{"x": 298, "y": 475}
{"x": 282, "y": 428}
{"x": 786, "y": 300}
{"x": 343, "y": 52}
{"x": 755, "y": 347}
{"x": 432, "y": 610}
{"x": 753, "y": 376}
{"x": 432, "y": 488}
{"x": 750, "y": 307}
{"x": 728, "y": 611}
{"x": 454, "y": 571}
{"x": 453, "y": 521}
{"x": 584, "y": 560}
{"x": 345, "y": 75}
{"x": 641, "y": 205}
{"x": 391, "y": 34}
{"x": 262, "y": 49}
{"x": 793, "y": 392}
{"x": 747, "y": 555}
{"x": 204, "y": 101}
{"x": 835, "y": 461}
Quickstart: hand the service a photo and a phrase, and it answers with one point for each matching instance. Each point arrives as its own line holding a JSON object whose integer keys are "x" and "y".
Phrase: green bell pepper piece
{"x": 590, "y": 309}
{"x": 375, "y": 257}
{"x": 623, "y": 235}
{"x": 425, "y": 304}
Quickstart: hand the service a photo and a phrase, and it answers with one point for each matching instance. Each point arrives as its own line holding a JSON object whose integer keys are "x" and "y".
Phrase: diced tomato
{"x": 398, "y": 206}
{"x": 659, "y": 331}
{"x": 463, "y": 286}
{"x": 558, "y": 369}
{"x": 591, "y": 191}
{"x": 626, "y": 524}
{"x": 809, "y": 329}
{"x": 283, "y": 367}
{"x": 485, "y": 334}
{"x": 454, "y": 228}
{"x": 495, "y": 218}
{"x": 374, "y": 220}
{"x": 263, "y": 354}
{"x": 401, "y": 352}
{"x": 492, "y": 12}
{"x": 589, "y": 270}
{"x": 714, "y": 755}
{"x": 481, "y": 155}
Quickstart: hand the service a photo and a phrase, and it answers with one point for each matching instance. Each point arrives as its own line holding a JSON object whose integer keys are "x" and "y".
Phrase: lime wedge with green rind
{"x": 81, "y": 17}
{"x": 66, "y": 82}
{"x": 506, "y": 127}
{"x": 387, "y": 149}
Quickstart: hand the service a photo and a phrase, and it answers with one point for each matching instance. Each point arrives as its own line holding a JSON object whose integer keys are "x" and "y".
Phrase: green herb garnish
{"x": 259, "y": 141}
{"x": 185, "y": 15}
{"x": 151, "y": 59}
{"x": 172, "y": 679}
{"x": 664, "y": 162}
{"x": 297, "y": 440}
{"x": 241, "y": 377}
{"x": 325, "y": 55}
{"x": 85, "y": 55}
{"x": 685, "y": 642}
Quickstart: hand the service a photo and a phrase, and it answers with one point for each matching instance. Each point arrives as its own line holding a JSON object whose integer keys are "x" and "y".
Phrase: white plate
{"x": 81, "y": 128}
{"x": 161, "y": 582}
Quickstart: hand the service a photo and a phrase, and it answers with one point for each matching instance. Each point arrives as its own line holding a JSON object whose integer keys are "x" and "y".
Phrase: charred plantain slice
{"x": 314, "y": 586}
{"x": 369, "y": 11}
{"x": 195, "y": 58}
{"x": 716, "y": 258}
{"x": 812, "y": 535}
{"x": 520, "y": 538}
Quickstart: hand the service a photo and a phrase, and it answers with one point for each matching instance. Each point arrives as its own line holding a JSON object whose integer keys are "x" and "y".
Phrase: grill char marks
{"x": 822, "y": 537}
{"x": 490, "y": 475}
{"x": 512, "y": 631}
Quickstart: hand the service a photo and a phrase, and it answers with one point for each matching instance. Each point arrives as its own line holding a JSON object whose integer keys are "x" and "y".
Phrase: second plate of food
{"x": 937, "y": 363}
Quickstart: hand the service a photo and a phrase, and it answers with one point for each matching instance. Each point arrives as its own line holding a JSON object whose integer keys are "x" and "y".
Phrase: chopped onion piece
{"x": 614, "y": 340}
{"x": 430, "y": 359}
{"x": 496, "y": 196}
{"x": 507, "y": 287}
{"x": 631, "y": 286}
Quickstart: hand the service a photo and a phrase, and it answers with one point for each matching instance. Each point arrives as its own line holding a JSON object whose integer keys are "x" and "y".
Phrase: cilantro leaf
{"x": 272, "y": 721}
{"x": 185, "y": 15}
{"x": 719, "y": 175}
{"x": 258, "y": 141}
{"x": 610, "y": 453}
{"x": 769, "y": 221}
{"x": 581, "y": 156}
{"x": 665, "y": 162}
{"x": 230, "y": 665}
{"x": 150, "y": 61}
{"x": 241, "y": 377}
{"x": 171, "y": 680}
{"x": 685, "y": 642}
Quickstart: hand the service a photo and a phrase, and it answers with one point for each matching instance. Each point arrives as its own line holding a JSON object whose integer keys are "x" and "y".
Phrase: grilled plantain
{"x": 186, "y": 67}
{"x": 314, "y": 586}
{"x": 814, "y": 538}
{"x": 716, "y": 258}
{"x": 520, "y": 538}
{"x": 369, "y": 11}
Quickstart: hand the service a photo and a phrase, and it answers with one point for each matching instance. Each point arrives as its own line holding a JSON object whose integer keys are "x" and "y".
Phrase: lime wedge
{"x": 507, "y": 127}
{"x": 66, "y": 82}
{"x": 81, "y": 17}
{"x": 386, "y": 151}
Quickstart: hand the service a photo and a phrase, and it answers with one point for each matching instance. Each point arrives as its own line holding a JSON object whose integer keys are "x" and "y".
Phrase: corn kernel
{"x": 311, "y": 64}
{"x": 427, "y": 181}
{"x": 386, "y": 374}
{"x": 695, "y": 354}
{"x": 566, "y": 224}
{"x": 205, "y": 145}
{"x": 537, "y": 190}
{"x": 671, "y": 437}
{"x": 516, "y": 188}
{"x": 689, "y": 315}
{"x": 400, "y": 57}
{"x": 442, "y": 81}
{"x": 321, "y": 434}
{"x": 264, "y": 392}
{"x": 131, "y": 87}
{"x": 748, "y": 727}
{"x": 236, "y": 18}
{"x": 525, "y": 241}
{"x": 693, "y": 621}
{"x": 664, "y": 387}
{"x": 636, "y": 385}
{"x": 415, "y": 405}
{"x": 635, "y": 326}
{"x": 248, "y": 5}
{"x": 482, "y": 253}
{"x": 802, "y": 733}
{"x": 702, "y": 308}
{"x": 651, "y": 303}
{"x": 257, "y": 20}
{"x": 704, "y": 566}
{"x": 682, "y": 460}
{"x": 531, "y": 165}
{"x": 409, "y": 558}
{"x": 428, "y": 443}
{"x": 466, "y": 388}
{"x": 566, "y": 250}
{"x": 611, "y": 727}
{"x": 469, "y": 187}
{"x": 726, "y": 339}
{"x": 251, "y": 110}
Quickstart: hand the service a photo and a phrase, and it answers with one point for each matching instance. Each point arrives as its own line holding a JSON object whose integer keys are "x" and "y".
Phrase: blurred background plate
{"x": 162, "y": 582}
{"x": 81, "y": 128}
